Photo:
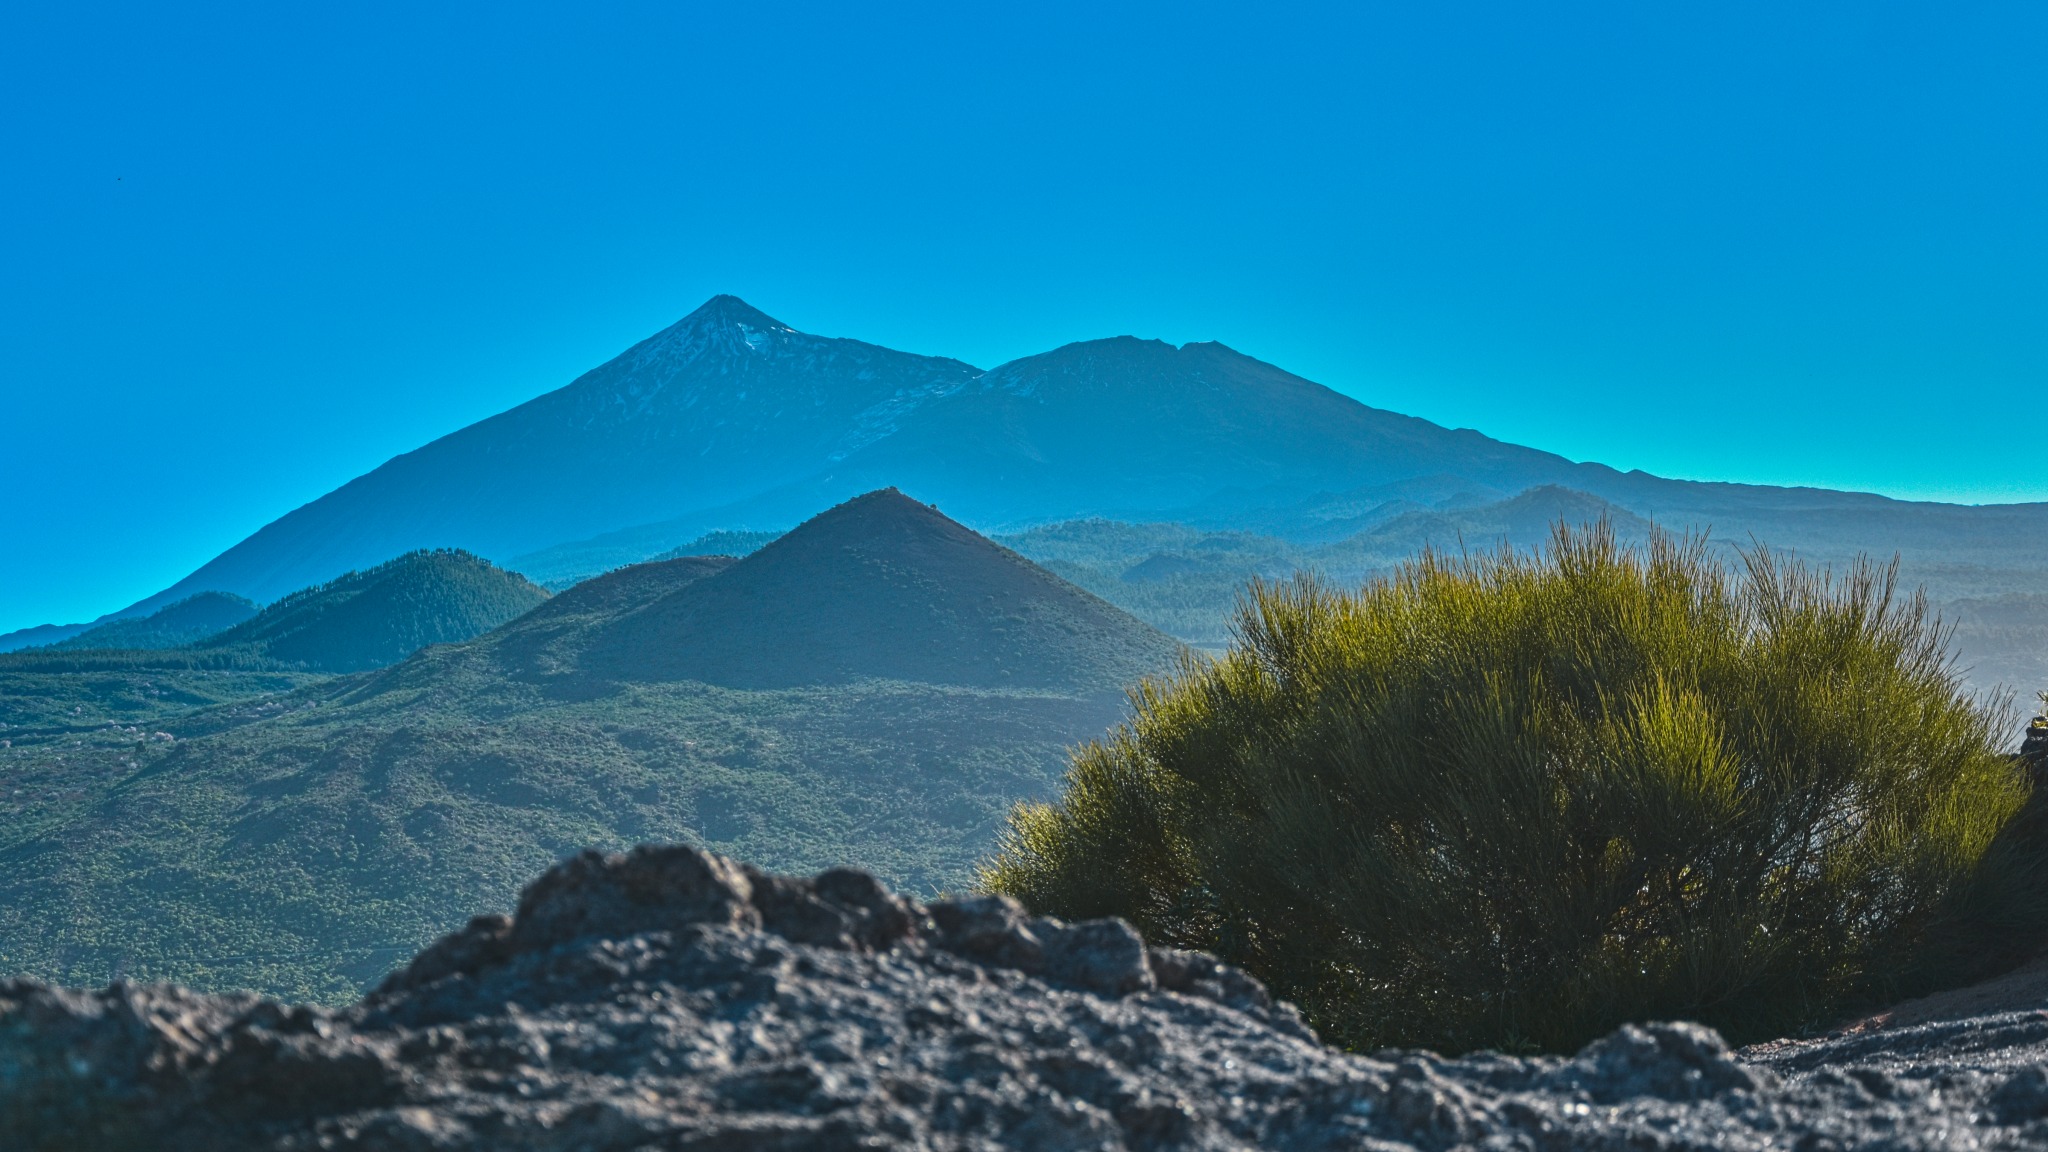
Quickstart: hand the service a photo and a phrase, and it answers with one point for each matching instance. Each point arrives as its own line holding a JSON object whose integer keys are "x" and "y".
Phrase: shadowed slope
{"x": 186, "y": 622}
{"x": 544, "y": 641}
{"x": 619, "y": 590}
{"x": 881, "y": 587}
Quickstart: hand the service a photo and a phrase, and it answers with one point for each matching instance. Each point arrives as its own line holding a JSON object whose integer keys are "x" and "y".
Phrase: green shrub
{"x": 1515, "y": 800}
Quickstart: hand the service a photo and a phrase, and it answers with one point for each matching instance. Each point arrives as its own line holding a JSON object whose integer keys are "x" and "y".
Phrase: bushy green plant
{"x": 1513, "y": 800}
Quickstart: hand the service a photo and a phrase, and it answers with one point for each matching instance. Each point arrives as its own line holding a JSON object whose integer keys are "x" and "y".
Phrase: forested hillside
{"x": 186, "y": 622}
{"x": 381, "y": 615}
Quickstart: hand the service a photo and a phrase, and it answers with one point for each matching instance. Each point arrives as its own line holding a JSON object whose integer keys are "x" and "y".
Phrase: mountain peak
{"x": 882, "y": 504}
{"x": 723, "y": 327}
{"x": 724, "y": 309}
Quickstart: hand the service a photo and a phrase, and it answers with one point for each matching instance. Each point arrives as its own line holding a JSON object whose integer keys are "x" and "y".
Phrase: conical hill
{"x": 381, "y": 615}
{"x": 881, "y": 587}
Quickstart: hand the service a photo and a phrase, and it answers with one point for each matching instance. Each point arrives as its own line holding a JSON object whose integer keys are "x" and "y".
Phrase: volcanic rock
{"x": 668, "y": 998}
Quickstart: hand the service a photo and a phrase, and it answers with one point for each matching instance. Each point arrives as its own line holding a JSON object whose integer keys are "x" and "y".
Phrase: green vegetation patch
{"x": 186, "y": 622}
{"x": 304, "y": 844}
{"x": 381, "y": 615}
{"x": 1514, "y": 800}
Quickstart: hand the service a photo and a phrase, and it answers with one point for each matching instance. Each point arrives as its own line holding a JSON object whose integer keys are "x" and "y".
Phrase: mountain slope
{"x": 381, "y": 615}
{"x": 1524, "y": 521}
{"x": 547, "y": 641}
{"x": 567, "y": 565}
{"x": 1134, "y": 430}
{"x": 720, "y": 406}
{"x": 44, "y": 635}
{"x": 881, "y": 587}
{"x": 731, "y": 419}
{"x": 188, "y": 621}
{"x": 1139, "y": 428}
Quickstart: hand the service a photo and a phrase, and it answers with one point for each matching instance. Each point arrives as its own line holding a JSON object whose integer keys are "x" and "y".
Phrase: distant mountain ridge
{"x": 730, "y": 420}
{"x": 44, "y": 635}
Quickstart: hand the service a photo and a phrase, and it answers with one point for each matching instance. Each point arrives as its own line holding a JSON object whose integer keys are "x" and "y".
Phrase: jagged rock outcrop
{"x": 667, "y": 998}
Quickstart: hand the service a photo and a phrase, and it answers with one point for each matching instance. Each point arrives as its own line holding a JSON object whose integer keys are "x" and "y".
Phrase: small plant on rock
{"x": 1514, "y": 800}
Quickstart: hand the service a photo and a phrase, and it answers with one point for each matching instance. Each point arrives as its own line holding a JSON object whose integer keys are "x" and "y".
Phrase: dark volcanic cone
{"x": 882, "y": 587}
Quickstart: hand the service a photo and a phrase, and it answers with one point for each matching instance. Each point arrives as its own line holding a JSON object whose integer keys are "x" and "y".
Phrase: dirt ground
{"x": 2023, "y": 988}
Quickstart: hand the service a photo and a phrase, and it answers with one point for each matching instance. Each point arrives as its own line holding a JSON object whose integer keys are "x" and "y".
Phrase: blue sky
{"x": 249, "y": 252}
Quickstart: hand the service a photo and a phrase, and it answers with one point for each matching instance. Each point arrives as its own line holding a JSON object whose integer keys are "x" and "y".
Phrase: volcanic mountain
{"x": 721, "y": 406}
{"x": 731, "y": 420}
{"x": 885, "y": 588}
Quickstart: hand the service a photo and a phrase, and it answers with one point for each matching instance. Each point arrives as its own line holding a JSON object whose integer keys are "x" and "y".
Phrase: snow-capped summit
{"x": 729, "y": 366}
{"x": 722, "y": 326}
{"x": 728, "y": 309}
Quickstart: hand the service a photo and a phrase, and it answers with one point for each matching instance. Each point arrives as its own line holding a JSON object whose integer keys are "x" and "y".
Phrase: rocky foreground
{"x": 672, "y": 999}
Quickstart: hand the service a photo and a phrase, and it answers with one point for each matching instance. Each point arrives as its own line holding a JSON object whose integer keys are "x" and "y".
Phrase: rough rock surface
{"x": 676, "y": 1000}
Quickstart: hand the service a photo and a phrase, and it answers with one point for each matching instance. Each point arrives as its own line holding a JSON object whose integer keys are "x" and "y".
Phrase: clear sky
{"x": 247, "y": 253}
